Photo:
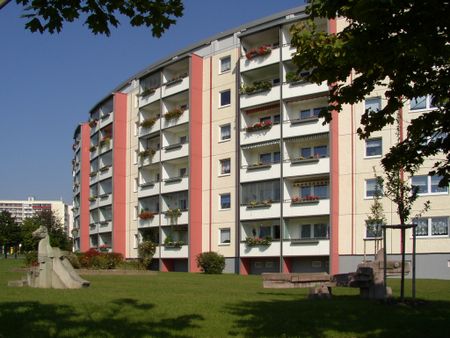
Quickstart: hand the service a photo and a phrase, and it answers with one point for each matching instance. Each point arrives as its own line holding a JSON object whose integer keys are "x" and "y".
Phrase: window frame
{"x": 221, "y": 70}
{"x": 429, "y": 186}
{"x": 430, "y": 227}
{"x": 221, "y": 166}
{"x": 366, "y": 181}
{"x": 221, "y": 139}
{"x": 220, "y": 98}
{"x": 221, "y": 196}
{"x": 378, "y": 98}
{"x": 366, "y": 147}
{"x": 428, "y": 104}
{"x": 224, "y": 230}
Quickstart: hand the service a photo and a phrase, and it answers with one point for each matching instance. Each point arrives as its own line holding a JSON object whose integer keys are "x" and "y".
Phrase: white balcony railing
{"x": 260, "y": 98}
{"x": 248, "y": 137}
{"x": 149, "y": 159}
{"x": 105, "y": 172}
{"x": 151, "y": 222}
{"x": 106, "y": 119}
{"x": 171, "y": 88}
{"x": 150, "y": 98}
{"x": 287, "y": 52}
{"x": 260, "y": 250}
{"x": 260, "y": 61}
{"x": 184, "y": 118}
{"x": 104, "y": 226}
{"x": 146, "y": 131}
{"x": 175, "y": 151}
{"x": 310, "y": 247}
{"x": 291, "y": 90}
{"x": 104, "y": 200}
{"x": 174, "y": 184}
{"x": 309, "y": 208}
{"x": 306, "y": 167}
{"x": 148, "y": 189}
{"x": 183, "y": 219}
{"x": 181, "y": 252}
{"x": 260, "y": 212}
{"x": 294, "y": 128}
{"x": 260, "y": 172}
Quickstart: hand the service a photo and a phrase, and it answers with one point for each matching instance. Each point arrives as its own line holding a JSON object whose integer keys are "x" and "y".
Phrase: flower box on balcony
{"x": 173, "y": 213}
{"x": 176, "y": 79}
{"x": 309, "y": 159}
{"x": 148, "y": 123}
{"x": 256, "y": 241}
{"x": 173, "y": 244}
{"x": 305, "y": 200}
{"x": 105, "y": 222}
{"x": 305, "y": 120}
{"x": 105, "y": 141}
{"x": 173, "y": 146}
{"x": 147, "y": 184}
{"x": 147, "y": 91}
{"x": 92, "y": 198}
{"x": 93, "y": 174}
{"x": 103, "y": 196}
{"x": 259, "y": 126}
{"x": 174, "y": 114}
{"x": 147, "y": 153}
{"x": 259, "y": 204}
{"x": 173, "y": 179}
{"x": 308, "y": 241}
{"x": 256, "y": 87}
{"x": 258, "y": 51}
{"x": 92, "y": 123}
{"x": 259, "y": 166}
{"x": 105, "y": 168}
{"x": 145, "y": 215}
{"x": 92, "y": 149}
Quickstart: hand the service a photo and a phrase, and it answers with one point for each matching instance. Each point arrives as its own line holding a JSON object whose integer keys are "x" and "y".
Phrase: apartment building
{"x": 219, "y": 147}
{"x": 22, "y": 209}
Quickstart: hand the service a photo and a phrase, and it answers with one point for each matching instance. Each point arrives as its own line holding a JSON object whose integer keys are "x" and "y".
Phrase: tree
{"x": 47, "y": 218}
{"x": 10, "y": 236}
{"x": 100, "y": 15}
{"x": 402, "y": 45}
{"x": 376, "y": 218}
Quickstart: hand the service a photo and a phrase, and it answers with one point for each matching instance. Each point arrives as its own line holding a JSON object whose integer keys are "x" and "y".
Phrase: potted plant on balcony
{"x": 147, "y": 153}
{"x": 258, "y": 51}
{"x": 170, "y": 243}
{"x": 93, "y": 174}
{"x": 92, "y": 198}
{"x": 259, "y": 126}
{"x": 176, "y": 79}
{"x": 105, "y": 141}
{"x": 173, "y": 214}
{"x": 146, "y": 215}
{"x": 256, "y": 87}
{"x": 174, "y": 113}
{"x": 92, "y": 123}
{"x": 308, "y": 199}
{"x": 92, "y": 148}
{"x": 148, "y": 123}
{"x": 256, "y": 241}
{"x": 147, "y": 91}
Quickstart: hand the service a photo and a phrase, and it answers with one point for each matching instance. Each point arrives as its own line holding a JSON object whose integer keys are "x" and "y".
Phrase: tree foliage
{"x": 402, "y": 45}
{"x": 211, "y": 262}
{"x": 10, "y": 235}
{"x": 100, "y": 15}
{"x": 47, "y": 218}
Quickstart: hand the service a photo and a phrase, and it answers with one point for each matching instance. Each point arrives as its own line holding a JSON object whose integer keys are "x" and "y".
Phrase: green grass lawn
{"x": 196, "y": 305}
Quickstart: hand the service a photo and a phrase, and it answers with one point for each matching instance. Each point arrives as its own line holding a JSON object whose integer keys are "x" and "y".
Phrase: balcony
{"x": 303, "y": 88}
{"x": 146, "y": 157}
{"x": 305, "y": 207}
{"x": 260, "y": 210}
{"x": 287, "y": 52}
{"x": 259, "y": 57}
{"x": 106, "y": 119}
{"x": 173, "y": 184}
{"x": 149, "y": 96}
{"x": 93, "y": 228}
{"x": 307, "y": 166}
{"x": 105, "y": 172}
{"x": 175, "y": 150}
{"x": 147, "y": 129}
{"x": 93, "y": 152}
{"x": 260, "y": 97}
{"x": 148, "y": 189}
{"x": 149, "y": 222}
{"x": 104, "y": 199}
{"x": 105, "y": 226}
{"x": 249, "y": 136}
{"x": 93, "y": 177}
{"x": 175, "y": 85}
{"x": 260, "y": 250}
{"x": 94, "y": 125}
{"x": 259, "y": 172}
{"x": 302, "y": 127}
{"x": 306, "y": 247}
{"x": 104, "y": 146}
{"x": 171, "y": 252}
{"x": 93, "y": 202}
{"x": 182, "y": 219}
{"x": 172, "y": 119}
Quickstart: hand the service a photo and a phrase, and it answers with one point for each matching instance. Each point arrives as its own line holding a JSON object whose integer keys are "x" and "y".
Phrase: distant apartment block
{"x": 219, "y": 147}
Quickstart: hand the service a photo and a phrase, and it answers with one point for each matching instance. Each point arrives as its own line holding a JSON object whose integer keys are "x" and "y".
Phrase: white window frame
{"x": 221, "y": 161}
{"x": 220, "y": 133}
{"x": 378, "y": 98}
{"x": 429, "y": 192}
{"x": 220, "y": 236}
{"x": 220, "y": 98}
{"x": 365, "y": 188}
{"x": 220, "y": 200}
{"x": 220, "y": 64}
{"x": 429, "y": 228}
{"x": 381, "y": 147}
{"x": 428, "y": 104}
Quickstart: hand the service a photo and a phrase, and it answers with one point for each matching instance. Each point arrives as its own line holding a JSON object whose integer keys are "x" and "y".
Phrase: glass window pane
{"x": 422, "y": 227}
{"x": 321, "y": 191}
{"x": 225, "y": 98}
{"x": 316, "y": 111}
{"x": 225, "y": 132}
{"x": 435, "y": 185}
{"x": 225, "y": 236}
{"x": 373, "y": 104}
{"x": 306, "y": 231}
{"x": 276, "y": 232}
{"x": 265, "y": 158}
{"x": 373, "y": 147}
{"x": 305, "y": 152}
{"x": 225, "y": 64}
{"x": 421, "y": 183}
{"x": 305, "y": 114}
{"x": 439, "y": 226}
{"x": 276, "y": 119}
{"x": 419, "y": 103}
{"x": 225, "y": 201}
{"x": 264, "y": 231}
{"x": 305, "y": 191}
{"x": 276, "y": 157}
{"x": 321, "y": 151}
{"x": 320, "y": 230}
{"x": 370, "y": 187}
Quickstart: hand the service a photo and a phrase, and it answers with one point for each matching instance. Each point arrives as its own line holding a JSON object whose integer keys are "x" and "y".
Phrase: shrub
{"x": 94, "y": 259}
{"x": 211, "y": 262}
{"x": 31, "y": 258}
{"x": 146, "y": 250}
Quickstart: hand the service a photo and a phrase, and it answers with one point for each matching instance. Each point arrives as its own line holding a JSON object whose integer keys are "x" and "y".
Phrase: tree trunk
{"x": 402, "y": 283}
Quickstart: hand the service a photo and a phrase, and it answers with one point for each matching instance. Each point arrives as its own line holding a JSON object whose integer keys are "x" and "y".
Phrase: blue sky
{"x": 48, "y": 84}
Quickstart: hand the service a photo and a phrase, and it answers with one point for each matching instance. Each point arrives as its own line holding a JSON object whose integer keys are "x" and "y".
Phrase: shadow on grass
{"x": 34, "y": 319}
{"x": 344, "y": 316}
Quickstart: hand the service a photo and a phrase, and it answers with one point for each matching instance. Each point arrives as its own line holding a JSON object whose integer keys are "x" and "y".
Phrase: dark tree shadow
{"x": 347, "y": 316}
{"x": 34, "y": 319}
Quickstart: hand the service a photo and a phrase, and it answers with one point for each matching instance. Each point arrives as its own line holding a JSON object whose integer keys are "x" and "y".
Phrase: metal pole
{"x": 384, "y": 259}
{"x": 414, "y": 264}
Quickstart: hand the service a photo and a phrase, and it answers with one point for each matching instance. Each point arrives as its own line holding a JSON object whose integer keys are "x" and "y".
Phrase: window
{"x": 373, "y": 147}
{"x": 183, "y": 204}
{"x": 265, "y": 119}
{"x": 310, "y": 113}
{"x": 225, "y": 236}
{"x": 422, "y": 102}
{"x": 310, "y": 231}
{"x": 433, "y": 226}
{"x": 276, "y": 119}
{"x": 183, "y": 139}
{"x": 225, "y": 201}
{"x": 317, "y": 151}
{"x": 372, "y": 185}
{"x": 183, "y": 172}
{"x": 320, "y": 191}
{"x": 428, "y": 184}
{"x": 225, "y": 98}
{"x": 373, "y": 230}
{"x": 261, "y": 191}
{"x": 373, "y": 104}
{"x": 225, "y": 132}
{"x": 268, "y": 158}
{"x": 225, "y": 64}
{"x": 225, "y": 166}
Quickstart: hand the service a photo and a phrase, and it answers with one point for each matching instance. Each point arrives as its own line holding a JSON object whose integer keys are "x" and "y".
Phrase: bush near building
{"x": 211, "y": 262}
